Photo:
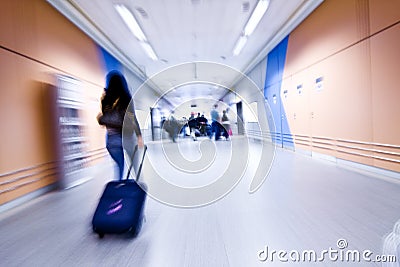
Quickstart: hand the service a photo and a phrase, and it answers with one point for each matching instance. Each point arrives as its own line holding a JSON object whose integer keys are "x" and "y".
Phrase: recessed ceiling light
{"x": 135, "y": 28}
{"x": 255, "y": 17}
{"x": 149, "y": 50}
{"x": 258, "y": 13}
{"x": 131, "y": 22}
{"x": 239, "y": 45}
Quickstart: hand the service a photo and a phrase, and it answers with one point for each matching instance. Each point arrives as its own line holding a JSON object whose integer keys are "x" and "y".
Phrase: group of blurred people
{"x": 196, "y": 126}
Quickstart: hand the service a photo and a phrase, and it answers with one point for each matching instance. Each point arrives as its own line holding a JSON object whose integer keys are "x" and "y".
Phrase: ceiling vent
{"x": 142, "y": 12}
{"x": 245, "y": 7}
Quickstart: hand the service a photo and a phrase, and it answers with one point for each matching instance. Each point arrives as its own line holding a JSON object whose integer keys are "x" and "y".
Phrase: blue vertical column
{"x": 272, "y": 93}
{"x": 109, "y": 62}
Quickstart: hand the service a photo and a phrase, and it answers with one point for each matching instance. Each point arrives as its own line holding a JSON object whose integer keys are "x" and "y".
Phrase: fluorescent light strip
{"x": 239, "y": 45}
{"x": 256, "y": 16}
{"x": 131, "y": 22}
{"x": 149, "y": 50}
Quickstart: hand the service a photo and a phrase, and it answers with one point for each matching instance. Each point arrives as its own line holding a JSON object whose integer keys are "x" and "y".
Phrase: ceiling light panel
{"x": 149, "y": 50}
{"x": 256, "y": 16}
{"x": 239, "y": 45}
{"x": 131, "y": 22}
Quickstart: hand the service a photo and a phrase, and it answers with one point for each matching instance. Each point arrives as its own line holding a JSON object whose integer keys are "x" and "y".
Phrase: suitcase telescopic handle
{"x": 141, "y": 162}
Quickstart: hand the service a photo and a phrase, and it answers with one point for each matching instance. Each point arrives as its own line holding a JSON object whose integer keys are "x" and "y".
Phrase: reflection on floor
{"x": 303, "y": 205}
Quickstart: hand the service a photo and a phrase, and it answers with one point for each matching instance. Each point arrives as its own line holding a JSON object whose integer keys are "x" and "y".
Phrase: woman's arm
{"x": 136, "y": 127}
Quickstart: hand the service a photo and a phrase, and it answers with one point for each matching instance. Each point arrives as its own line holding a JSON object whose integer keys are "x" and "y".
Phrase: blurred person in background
{"x": 172, "y": 127}
{"x": 215, "y": 126}
{"x": 203, "y": 125}
{"x": 193, "y": 126}
{"x": 226, "y": 127}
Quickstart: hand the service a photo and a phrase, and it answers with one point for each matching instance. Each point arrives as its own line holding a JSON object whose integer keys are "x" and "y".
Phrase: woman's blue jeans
{"x": 114, "y": 147}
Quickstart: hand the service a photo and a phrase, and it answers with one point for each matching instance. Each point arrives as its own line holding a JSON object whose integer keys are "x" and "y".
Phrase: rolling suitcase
{"x": 120, "y": 209}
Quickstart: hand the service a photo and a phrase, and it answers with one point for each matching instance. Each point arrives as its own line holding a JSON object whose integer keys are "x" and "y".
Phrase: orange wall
{"x": 36, "y": 43}
{"x": 354, "y": 46}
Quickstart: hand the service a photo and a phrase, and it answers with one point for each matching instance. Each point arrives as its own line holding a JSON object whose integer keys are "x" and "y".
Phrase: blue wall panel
{"x": 110, "y": 62}
{"x": 272, "y": 93}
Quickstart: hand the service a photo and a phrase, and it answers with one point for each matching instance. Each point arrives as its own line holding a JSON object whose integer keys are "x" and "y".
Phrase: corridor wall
{"x": 339, "y": 86}
{"x": 36, "y": 44}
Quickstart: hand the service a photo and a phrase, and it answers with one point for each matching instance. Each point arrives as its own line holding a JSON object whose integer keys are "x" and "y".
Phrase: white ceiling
{"x": 182, "y": 31}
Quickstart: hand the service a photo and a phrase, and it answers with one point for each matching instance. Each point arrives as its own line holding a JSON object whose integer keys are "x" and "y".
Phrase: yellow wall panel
{"x": 330, "y": 28}
{"x": 384, "y": 164}
{"x": 297, "y": 106}
{"x": 18, "y": 26}
{"x": 385, "y": 81}
{"x": 27, "y": 189}
{"x": 383, "y": 13}
{"x": 342, "y": 109}
{"x": 64, "y": 46}
{"x": 37, "y": 44}
{"x": 357, "y": 108}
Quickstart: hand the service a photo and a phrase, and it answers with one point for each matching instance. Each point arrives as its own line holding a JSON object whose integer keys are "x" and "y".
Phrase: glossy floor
{"x": 304, "y": 205}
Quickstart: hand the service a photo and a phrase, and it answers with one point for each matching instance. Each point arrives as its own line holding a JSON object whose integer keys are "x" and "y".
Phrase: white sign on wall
{"x": 300, "y": 89}
{"x": 285, "y": 93}
{"x": 319, "y": 84}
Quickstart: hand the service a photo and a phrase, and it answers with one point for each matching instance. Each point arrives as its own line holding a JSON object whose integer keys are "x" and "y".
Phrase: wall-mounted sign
{"x": 274, "y": 99}
{"x": 300, "y": 89}
{"x": 285, "y": 93}
{"x": 319, "y": 85}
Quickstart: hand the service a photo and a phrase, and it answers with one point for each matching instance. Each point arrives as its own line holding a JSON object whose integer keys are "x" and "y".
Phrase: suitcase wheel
{"x": 101, "y": 235}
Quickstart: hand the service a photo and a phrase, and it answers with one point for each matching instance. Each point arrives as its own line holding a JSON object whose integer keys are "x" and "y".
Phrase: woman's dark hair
{"x": 116, "y": 87}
